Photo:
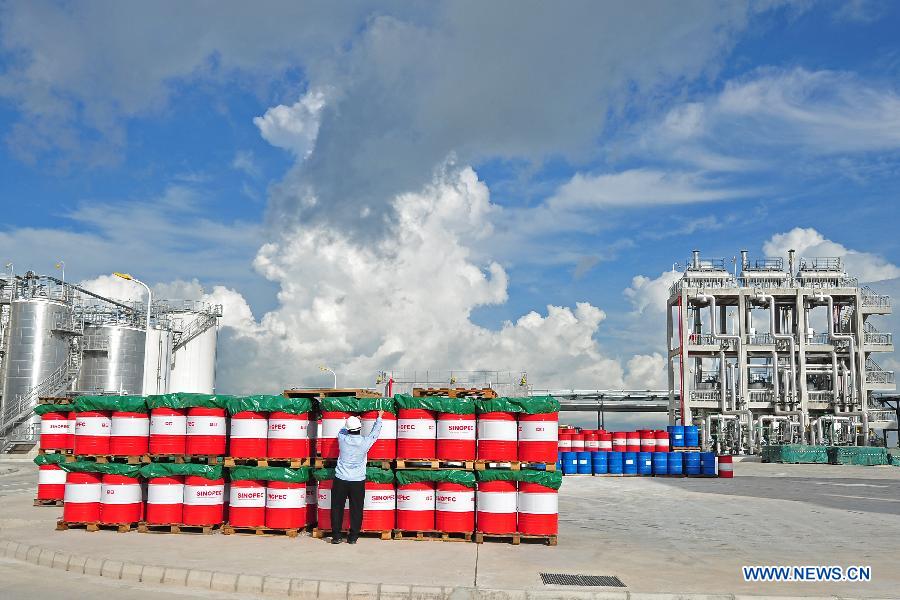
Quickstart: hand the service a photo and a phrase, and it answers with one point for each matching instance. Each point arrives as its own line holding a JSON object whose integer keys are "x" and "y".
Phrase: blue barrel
{"x": 645, "y": 463}
{"x": 675, "y": 463}
{"x": 584, "y": 463}
{"x": 691, "y": 436}
{"x": 708, "y": 464}
{"x": 629, "y": 463}
{"x": 660, "y": 463}
{"x": 559, "y": 461}
{"x": 616, "y": 463}
{"x": 691, "y": 463}
{"x": 676, "y": 436}
{"x": 570, "y": 463}
{"x": 600, "y": 463}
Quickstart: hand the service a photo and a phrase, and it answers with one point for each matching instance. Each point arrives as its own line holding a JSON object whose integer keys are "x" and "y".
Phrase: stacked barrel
{"x": 269, "y": 427}
{"x": 333, "y": 413}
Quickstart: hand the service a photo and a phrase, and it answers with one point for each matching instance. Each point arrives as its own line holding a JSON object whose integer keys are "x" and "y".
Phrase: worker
{"x": 350, "y": 476}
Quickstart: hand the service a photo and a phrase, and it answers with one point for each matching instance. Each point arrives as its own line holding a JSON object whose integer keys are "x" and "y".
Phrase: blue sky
{"x": 400, "y": 186}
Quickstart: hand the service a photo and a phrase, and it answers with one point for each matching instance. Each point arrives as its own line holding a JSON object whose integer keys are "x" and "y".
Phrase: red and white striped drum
{"x": 591, "y": 442}
{"x": 72, "y": 421}
{"x": 455, "y": 437}
{"x": 129, "y": 433}
{"x": 288, "y": 435}
{"x": 55, "y": 431}
{"x": 82, "y": 498}
{"x": 385, "y": 448}
{"x": 648, "y": 440}
{"x": 285, "y": 505}
{"x": 726, "y": 467}
{"x": 332, "y": 422}
{"x": 204, "y": 500}
{"x": 323, "y": 507}
{"x": 498, "y": 436}
{"x": 121, "y": 499}
{"x": 415, "y": 506}
{"x": 168, "y": 431}
{"x": 662, "y": 440}
{"x": 632, "y": 441}
{"x": 248, "y": 436}
{"x": 604, "y": 440}
{"x": 311, "y": 502}
{"x": 416, "y": 433}
{"x": 538, "y": 508}
{"x": 51, "y": 483}
{"x": 496, "y": 502}
{"x": 247, "y": 503}
{"x": 379, "y": 507}
{"x": 92, "y": 429}
{"x": 206, "y": 428}
{"x": 226, "y": 497}
{"x": 578, "y": 444}
{"x": 165, "y": 500}
{"x": 565, "y": 442}
{"x": 454, "y": 508}
{"x": 538, "y": 438}
{"x": 619, "y": 441}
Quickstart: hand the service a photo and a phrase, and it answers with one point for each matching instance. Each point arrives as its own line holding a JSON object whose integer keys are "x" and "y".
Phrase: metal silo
{"x": 194, "y": 356}
{"x": 112, "y": 359}
{"x": 158, "y": 361}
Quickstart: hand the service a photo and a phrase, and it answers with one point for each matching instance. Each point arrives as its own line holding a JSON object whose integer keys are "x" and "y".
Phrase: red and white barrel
{"x": 165, "y": 500}
{"x": 92, "y": 429}
{"x": 204, "y": 500}
{"x": 604, "y": 440}
{"x": 632, "y": 441}
{"x": 565, "y": 442}
{"x": 121, "y": 499}
{"x": 129, "y": 433}
{"x": 415, "y": 506}
{"x": 248, "y": 436}
{"x": 288, "y": 435}
{"x": 168, "y": 431}
{"x": 496, "y": 502}
{"x": 247, "y": 503}
{"x": 648, "y": 440}
{"x": 538, "y": 508}
{"x": 55, "y": 431}
{"x": 379, "y": 507}
{"x": 385, "y": 447}
{"x": 455, "y": 437}
{"x": 591, "y": 442}
{"x": 323, "y": 507}
{"x": 332, "y": 422}
{"x": 578, "y": 444}
{"x": 206, "y": 429}
{"x": 498, "y": 436}
{"x": 311, "y": 502}
{"x": 416, "y": 433}
{"x": 82, "y": 498}
{"x": 454, "y": 508}
{"x": 285, "y": 505}
{"x": 72, "y": 420}
{"x": 619, "y": 441}
{"x": 726, "y": 467}
{"x": 662, "y": 440}
{"x": 51, "y": 483}
{"x": 538, "y": 437}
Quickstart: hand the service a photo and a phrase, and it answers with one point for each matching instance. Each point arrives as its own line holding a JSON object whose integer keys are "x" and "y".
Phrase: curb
{"x": 313, "y": 589}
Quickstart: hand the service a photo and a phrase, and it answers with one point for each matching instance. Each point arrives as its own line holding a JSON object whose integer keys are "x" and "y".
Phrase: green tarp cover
{"x": 795, "y": 453}
{"x": 533, "y": 405}
{"x": 136, "y": 404}
{"x": 356, "y": 405}
{"x": 548, "y": 479}
{"x": 858, "y": 455}
{"x": 895, "y": 460}
{"x": 265, "y": 403}
{"x": 285, "y": 474}
{"x": 466, "y": 478}
{"x": 49, "y": 459}
{"x": 83, "y": 466}
{"x": 187, "y": 400}
{"x": 441, "y": 404}
{"x": 169, "y": 469}
{"x": 372, "y": 474}
{"x": 43, "y": 409}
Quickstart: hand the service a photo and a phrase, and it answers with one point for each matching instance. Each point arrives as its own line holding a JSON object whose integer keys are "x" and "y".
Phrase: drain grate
{"x": 581, "y": 580}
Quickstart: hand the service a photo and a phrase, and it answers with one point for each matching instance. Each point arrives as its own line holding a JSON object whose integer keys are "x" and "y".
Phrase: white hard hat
{"x": 353, "y": 423}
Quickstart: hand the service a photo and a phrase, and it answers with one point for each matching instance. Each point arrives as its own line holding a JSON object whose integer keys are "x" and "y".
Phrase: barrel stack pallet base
{"x": 44, "y": 502}
{"x": 293, "y": 463}
{"x": 180, "y": 459}
{"x": 95, "y": 526}
{"x": 144, "y": 527}
{"x": 454, "y": 392}
{"x": 514, "y": 538}
{"x": 601, "y": 474}
{"x": 515, "y": 465}
{"x": 262, "y": 531}
{"x": 314, "y": 393}
{"x": 685, "y": 449}
{"x": 323, "y": 533}
{"x": 66, "y": 451}
{"x": 134, "y": 459}
{"x": 55, "y": 400}
{"x": 433, "y": 535}
{"x": 326, "y": 463}
{"x": 434, "y": 464}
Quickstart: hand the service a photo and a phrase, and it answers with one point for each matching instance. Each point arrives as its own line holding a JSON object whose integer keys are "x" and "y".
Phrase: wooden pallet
{"x": 323, "y": 533}
{"x": 434, "y": 464}
{"x": 67, "y": 451}
{"x": 210, "y": 459}
{"x": 459, "y": 392}
{"x": 144, "y": 527}
{"x": 433, "y": 535}
{"x": 685, "y": 449}
{"x": 265, "y": 531}
{"x": 515, "y": 465}
{"x": 292, "y": 463}
{"x": 324, "y": 463}
{"x": 55, "y": 400}
{"x": 45, "y": 502}
{"x": 95, "y": 526}
{"x": 314, "y": 393}
{"x": 135, "y": 459}
{"x": 514, "y": 538}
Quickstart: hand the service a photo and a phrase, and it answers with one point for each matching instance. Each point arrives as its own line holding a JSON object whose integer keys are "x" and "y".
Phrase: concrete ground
{"x": 656, "y": 534}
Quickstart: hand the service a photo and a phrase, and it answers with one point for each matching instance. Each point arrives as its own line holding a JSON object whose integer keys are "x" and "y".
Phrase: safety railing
{"x": 705, "y": 395}
{"x": 821, "y": 263}
{"x": 871, "y": 299}
{"x": 761, "y": 339}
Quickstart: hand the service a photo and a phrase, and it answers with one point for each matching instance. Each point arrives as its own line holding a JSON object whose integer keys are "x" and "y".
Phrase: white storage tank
{"x": 158, "y": 361}
{"x": 194, "y": 362}
{"x": 112, "y": 359}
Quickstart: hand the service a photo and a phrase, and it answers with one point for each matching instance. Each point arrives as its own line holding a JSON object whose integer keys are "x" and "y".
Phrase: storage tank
{"x": 36, "y": 348}
{"x": 112, "y": 359}
{"x": 158, "y": 361}
{"x": 194, "y": 363}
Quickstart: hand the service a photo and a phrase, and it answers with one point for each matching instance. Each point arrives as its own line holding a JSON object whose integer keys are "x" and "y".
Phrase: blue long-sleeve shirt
{"x": 351, "y": 464}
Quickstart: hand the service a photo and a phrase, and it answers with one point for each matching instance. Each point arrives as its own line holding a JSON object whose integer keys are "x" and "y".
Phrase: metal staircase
{"x": 194, "y": 329}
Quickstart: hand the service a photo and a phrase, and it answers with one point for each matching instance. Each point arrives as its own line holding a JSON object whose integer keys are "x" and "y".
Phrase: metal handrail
{"x": 879, "y": 339}
{"x": 870, "y": 297}
{"x": 761, "y": 339}
{"x": 821, "y": 263}
{"x": 196, "y": 327}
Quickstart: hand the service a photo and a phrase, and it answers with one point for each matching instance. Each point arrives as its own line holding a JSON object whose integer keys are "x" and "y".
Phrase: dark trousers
{"x": 340, "y": 491}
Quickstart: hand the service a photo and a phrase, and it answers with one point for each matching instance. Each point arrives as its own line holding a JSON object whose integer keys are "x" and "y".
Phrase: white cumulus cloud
{"x": 294, "y": 127}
